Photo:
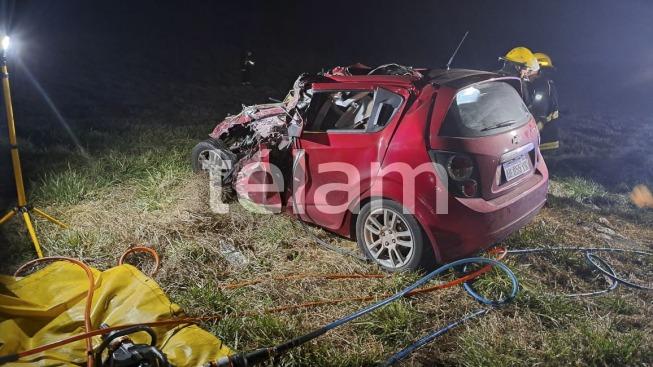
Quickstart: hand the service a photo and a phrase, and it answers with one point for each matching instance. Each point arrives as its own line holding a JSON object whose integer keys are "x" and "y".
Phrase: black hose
{"x": 596, "y": 262}
{"x": 262, "y": 354}
{"x": 130, "y": 330}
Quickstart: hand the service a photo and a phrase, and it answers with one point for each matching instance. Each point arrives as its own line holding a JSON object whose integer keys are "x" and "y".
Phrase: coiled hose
{"x": 262, "y": 354}
{"x": 594, "y": 260}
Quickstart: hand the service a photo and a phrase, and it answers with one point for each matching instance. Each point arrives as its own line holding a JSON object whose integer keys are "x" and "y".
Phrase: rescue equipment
{"x": 185, "y": 348}
{"x": 124, "y": 353}
{"x": 127, "y": 349}
{"x": 22, "y": 207}
{"x": 262, "y": 354}
{"x": 39, "y": 310}
{"x": 598, "y": 263}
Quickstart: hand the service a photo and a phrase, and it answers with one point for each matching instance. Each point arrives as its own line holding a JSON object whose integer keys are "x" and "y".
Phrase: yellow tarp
{"x": 48, "y": 305}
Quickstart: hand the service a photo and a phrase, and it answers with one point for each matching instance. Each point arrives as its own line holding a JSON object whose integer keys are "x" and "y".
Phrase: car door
{"x": 335, "y": 154}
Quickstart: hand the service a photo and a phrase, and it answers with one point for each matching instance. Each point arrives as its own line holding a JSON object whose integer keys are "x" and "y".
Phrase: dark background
{"x": 602, "y": 48}
{"x": 170, "y": 59}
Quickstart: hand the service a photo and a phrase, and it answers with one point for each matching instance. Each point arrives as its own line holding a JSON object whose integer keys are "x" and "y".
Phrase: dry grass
{"x": 147, "y": 195}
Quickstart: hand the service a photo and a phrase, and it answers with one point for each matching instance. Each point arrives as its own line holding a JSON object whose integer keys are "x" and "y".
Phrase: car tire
{"x": 398, "y": 245}
{"x": 205, "y": 150}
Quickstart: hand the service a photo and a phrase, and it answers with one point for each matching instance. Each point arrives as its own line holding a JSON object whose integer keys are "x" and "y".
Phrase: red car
{"x": 418, "y": 166}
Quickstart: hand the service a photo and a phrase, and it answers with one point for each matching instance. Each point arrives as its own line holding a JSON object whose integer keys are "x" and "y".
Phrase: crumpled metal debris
{"x": 266, "y": 123}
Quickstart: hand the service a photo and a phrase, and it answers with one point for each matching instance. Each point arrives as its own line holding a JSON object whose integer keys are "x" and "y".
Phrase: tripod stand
{"x": 23, "y": 207}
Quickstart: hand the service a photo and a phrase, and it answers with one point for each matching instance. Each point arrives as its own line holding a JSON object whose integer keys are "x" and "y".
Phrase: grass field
{"x": 135, "y": 186}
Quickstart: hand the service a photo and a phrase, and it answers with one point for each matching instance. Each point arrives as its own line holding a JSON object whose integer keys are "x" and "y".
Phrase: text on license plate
{"x": 516, "y": 167}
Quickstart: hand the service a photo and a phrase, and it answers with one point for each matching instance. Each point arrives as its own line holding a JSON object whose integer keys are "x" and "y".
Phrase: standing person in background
{"x": 544, "y": 103}
{"x": 246, "y": 65}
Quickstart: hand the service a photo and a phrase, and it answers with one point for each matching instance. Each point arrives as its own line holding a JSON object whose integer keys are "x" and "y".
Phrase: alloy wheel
{"x": 388, "y": 238}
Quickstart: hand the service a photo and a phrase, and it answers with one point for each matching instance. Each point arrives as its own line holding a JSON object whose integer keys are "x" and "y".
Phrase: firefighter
{"x": 246, "y": 65}
{"x": 521, "y": 62}
{"x": 538, "y": 90}
{"x": 544, "y": 103}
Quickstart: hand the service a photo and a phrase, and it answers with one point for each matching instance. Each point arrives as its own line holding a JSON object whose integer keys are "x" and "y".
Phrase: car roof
{"x": 454, "y": 78}
{"x": 380, "y": 79}
{"x": 457, "y": 78}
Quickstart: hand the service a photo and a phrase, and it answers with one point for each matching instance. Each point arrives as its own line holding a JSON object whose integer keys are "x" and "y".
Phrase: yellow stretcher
{"x": 48, "y": 306}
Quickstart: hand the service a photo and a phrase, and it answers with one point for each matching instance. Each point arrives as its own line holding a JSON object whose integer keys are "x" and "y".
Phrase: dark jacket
{"x": 542, "y": 99}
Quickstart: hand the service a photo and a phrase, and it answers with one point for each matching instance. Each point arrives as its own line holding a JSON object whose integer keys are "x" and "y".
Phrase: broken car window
{"x": 341, "y": 110}
{"x": 351, "y": 110}
{"x": 386, "y": 103}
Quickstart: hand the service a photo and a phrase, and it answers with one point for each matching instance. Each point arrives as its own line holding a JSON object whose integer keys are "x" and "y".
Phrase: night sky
{"x": 603, "y": 50}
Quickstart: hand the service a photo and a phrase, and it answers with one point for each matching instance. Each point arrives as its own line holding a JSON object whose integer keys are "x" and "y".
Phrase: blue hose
{"x": 597, "y": 262}
{"x": 613, "y": 283}
{"x": 424, "y": 280}
{"x": 253, "y": 357}
{"x": 427, "y": 278}
{"x": 261, "y": 354}
{"x": 402, "y": 354}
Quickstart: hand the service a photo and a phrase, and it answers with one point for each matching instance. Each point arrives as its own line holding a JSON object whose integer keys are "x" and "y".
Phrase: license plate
{"x": 516, "y": 167}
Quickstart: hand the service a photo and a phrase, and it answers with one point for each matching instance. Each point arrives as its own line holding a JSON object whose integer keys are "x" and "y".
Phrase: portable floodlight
{"x": 23, "y": 208}
{"x": 5, "y": 43}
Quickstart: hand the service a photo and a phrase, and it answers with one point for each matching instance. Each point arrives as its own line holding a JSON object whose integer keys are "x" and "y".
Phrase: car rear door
{"x": 336, "y": 163}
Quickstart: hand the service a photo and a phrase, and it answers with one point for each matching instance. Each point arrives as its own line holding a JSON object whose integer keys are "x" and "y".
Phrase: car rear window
{"x": 485, "y": 109}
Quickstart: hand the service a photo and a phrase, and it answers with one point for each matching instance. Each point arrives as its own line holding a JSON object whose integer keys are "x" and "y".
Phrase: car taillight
{"x": 469, "y": 188}
{"x": 460, "y": 171}
{"x": 460, "y": 167}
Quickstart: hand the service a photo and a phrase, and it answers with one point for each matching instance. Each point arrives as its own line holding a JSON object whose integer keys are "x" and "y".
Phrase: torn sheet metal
{"x": 266, "y": 123}
{"x": 269, "y": 123}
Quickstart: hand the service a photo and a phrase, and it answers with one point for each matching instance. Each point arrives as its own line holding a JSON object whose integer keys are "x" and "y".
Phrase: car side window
{"x": 340, "y": 110}
{"x": 386, "y": 105}
{"x": 353, "y": 110}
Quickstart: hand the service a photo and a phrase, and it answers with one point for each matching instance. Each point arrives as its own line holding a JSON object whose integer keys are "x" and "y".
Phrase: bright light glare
{"x": 468, "y": 95}
{"x": 5, "y": 43}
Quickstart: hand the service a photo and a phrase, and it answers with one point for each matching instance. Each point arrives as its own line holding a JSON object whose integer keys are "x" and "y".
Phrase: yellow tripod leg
{"x": 8, "y": 216}
{"x": 49, "y": 217}
{"x": 32, "y": 234}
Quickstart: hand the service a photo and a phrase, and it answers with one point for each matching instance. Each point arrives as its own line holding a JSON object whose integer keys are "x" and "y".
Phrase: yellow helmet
{"x": 543, "y": 59}
{"x": 523, "y": 56}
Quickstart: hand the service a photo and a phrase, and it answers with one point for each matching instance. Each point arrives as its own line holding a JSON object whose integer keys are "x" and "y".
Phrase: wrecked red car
{"x": 418, "y": 166}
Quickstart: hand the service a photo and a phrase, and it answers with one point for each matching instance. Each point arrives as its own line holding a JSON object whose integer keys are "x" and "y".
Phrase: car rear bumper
{"x": 473, "y": 225}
